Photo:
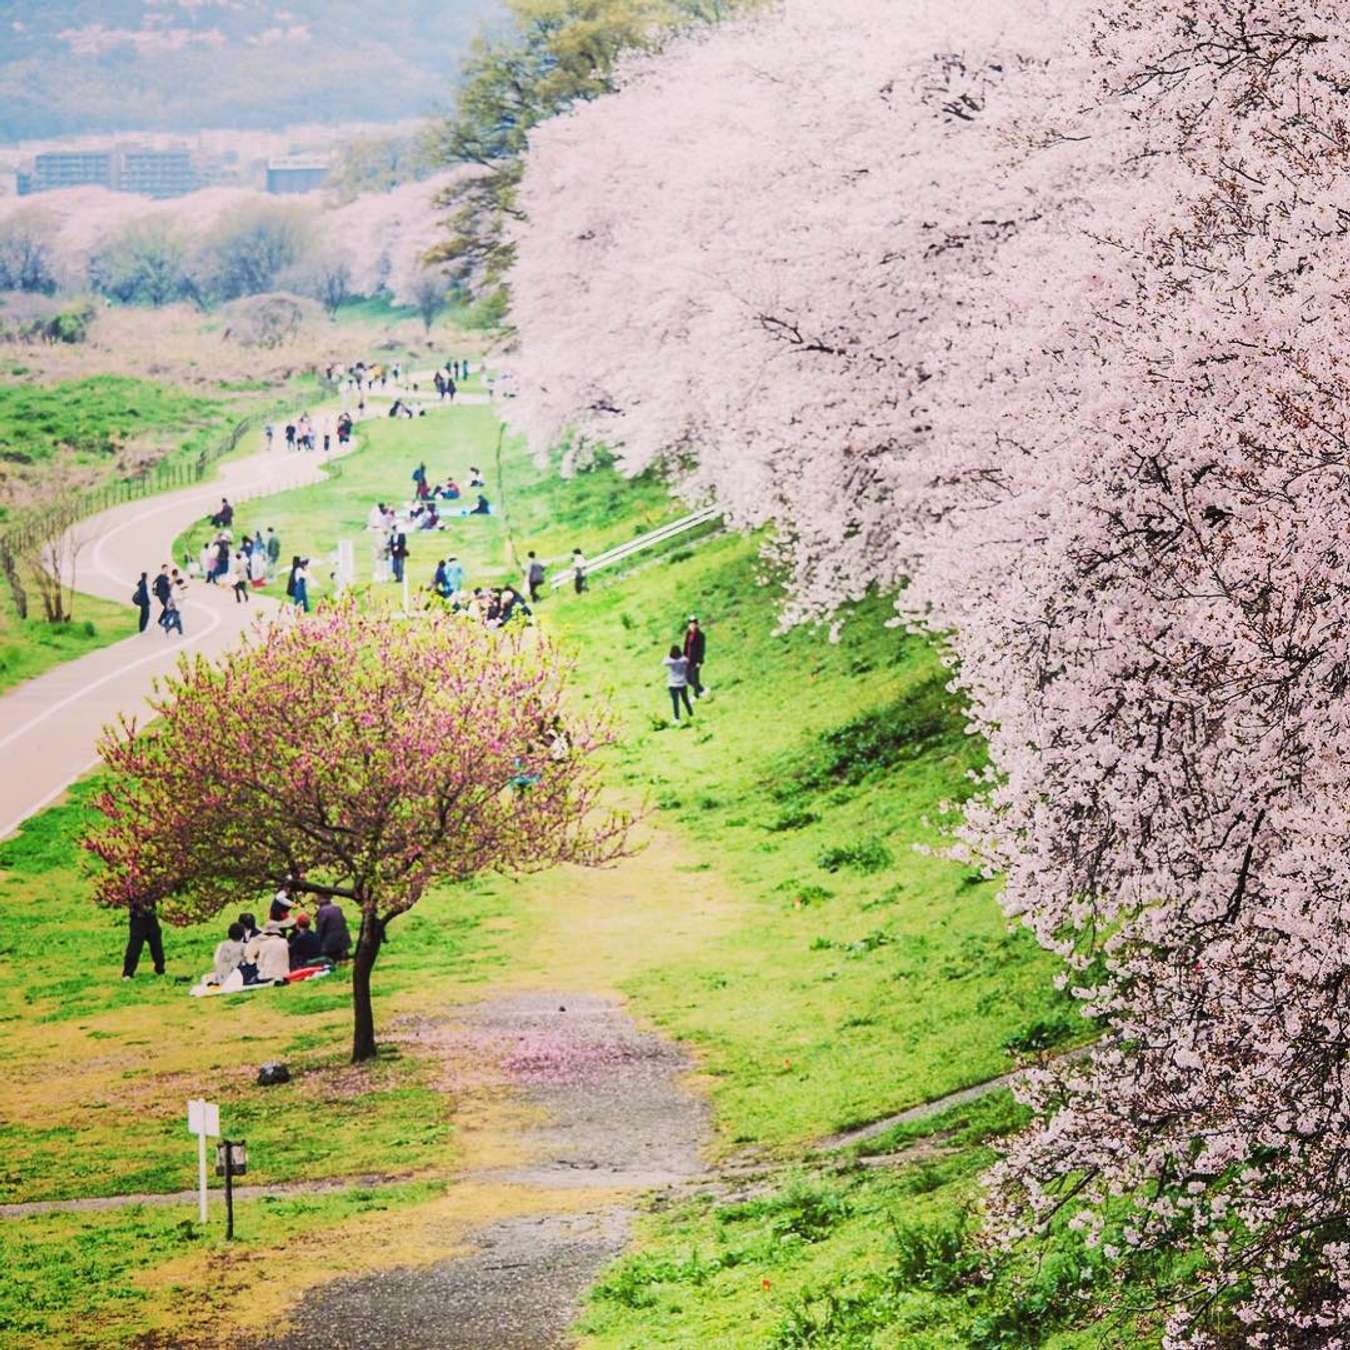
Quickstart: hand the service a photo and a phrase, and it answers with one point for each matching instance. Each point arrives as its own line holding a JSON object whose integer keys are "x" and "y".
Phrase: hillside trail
{"x": 50, "y": 725}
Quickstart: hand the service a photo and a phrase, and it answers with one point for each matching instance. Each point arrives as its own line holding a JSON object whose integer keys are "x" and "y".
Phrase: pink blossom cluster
{"x": 1038, "y": 315}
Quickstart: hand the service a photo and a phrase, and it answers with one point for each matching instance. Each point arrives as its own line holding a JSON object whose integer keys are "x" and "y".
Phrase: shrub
{"x": 864, "y": 855}
{"x": 797, "y": 819}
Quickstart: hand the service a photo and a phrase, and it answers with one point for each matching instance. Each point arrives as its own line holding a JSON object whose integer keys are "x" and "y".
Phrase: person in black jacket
{"x": 143, "y": 927}
{"x": 141, "y": 599}
{"x": 695, "y": 648}
{"x": 163, "y": 588}
{"x": 398, "y": 552}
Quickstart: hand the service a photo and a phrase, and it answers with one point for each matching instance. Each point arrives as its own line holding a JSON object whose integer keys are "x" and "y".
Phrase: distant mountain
{"x": 72, "y": 66}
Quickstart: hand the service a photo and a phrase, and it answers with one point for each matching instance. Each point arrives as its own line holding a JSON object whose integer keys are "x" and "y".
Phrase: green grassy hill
{"x": 788, "y": 921}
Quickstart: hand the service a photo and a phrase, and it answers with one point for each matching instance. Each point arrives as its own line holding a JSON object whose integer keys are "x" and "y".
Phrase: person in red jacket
{"x": 695, "y": 648}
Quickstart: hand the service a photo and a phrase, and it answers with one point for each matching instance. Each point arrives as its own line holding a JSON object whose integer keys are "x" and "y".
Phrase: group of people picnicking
{"x": 289, "y": 945}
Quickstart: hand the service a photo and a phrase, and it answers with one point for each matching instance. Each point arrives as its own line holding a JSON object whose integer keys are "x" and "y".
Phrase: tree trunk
{"x": 367, "y": 949}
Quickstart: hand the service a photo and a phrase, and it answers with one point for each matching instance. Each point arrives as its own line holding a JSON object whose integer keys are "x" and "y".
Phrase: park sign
{"x": 203, "y": 1120}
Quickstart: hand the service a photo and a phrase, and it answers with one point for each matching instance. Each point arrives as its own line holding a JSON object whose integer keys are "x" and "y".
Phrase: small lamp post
{"x": 231, "y": 1162}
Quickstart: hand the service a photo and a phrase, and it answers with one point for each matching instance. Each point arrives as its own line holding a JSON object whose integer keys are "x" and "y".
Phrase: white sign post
{"x": 346, "y": 564}
{"x": 203, "y": 1119}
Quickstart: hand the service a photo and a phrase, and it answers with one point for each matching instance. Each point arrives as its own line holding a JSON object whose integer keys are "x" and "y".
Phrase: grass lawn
{"x": 534, "y": 509}
{"x": 780, "y": 921}
{"x": 28, "y": 647}
{"x": 96, "y": 417}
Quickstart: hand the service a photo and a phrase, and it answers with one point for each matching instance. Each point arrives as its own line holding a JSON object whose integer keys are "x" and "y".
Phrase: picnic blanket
{"x": 204, "y": 990}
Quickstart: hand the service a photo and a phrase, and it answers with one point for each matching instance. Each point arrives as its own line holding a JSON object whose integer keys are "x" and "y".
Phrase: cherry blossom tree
{"x": 1050, "y": 336}
{"x": 355, "y": 756}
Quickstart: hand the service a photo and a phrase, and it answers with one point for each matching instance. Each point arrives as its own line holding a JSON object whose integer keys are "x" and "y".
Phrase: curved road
{"x": 49, "y": 726}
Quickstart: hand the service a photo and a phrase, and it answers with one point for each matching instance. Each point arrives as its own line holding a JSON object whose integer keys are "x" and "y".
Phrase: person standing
{"x": 695, "y": 649}
{"x": 677, "y": 681}
{"x": 301, "y": 592}
{"x": 142, "y": 927}
{"x": 273, "y": 551}
{"x": 534, "y": 577}
{"x": 140, "y": 597}
{"x": 578, "y": 571}
{"x": 163, "y": 588}
{"x": 398, "y": 552}
{"x": 330, "y": 925}
{"x": 454, "y": 574}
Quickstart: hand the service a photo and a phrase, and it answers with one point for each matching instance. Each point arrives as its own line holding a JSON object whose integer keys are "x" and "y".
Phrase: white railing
{"x": 640, "y": 544}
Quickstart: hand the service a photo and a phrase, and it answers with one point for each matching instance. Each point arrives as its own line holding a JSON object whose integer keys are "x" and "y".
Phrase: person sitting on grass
{"x": 483, "y": 508}
{"x": 306, "y": 948}
{"x": 250, "y": 926}
{"x": 451, "y": 490}
{"x": 269, "y": 954}
{"x": 229, "y": 955}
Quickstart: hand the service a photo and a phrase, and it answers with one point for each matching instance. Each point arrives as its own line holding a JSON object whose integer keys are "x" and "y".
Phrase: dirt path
{"x": 604, "y": 1111}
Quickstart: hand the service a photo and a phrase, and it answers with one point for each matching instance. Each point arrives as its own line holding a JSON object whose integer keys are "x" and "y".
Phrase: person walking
{"x": 677, "y": 681}
{"x": 163, "y": 588}
{"x": 695, "y": 649}
{"x": 240, "y": 574}
{"x": 578, "y": 571}
{"x": 142, "y": 927}
{"x": 534, "y": 577}
{"x": 171, "y": 618}
{"x": 398, "y": 552}
{"x": 140, "y": 597}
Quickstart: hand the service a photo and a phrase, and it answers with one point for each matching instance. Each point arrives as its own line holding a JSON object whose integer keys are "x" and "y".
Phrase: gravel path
{"x": 614, "y": 1116}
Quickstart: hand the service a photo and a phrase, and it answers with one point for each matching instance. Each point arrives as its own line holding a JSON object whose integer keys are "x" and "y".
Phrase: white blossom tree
{"x": 1051, "y": 335}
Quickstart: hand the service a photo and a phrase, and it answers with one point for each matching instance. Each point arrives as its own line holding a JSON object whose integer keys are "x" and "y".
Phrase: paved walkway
{"x": 49, "y": 726}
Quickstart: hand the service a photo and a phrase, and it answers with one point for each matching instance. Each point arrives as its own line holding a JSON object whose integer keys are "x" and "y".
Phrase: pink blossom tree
{"x": 1054, "y": 338}
{"x": 354, "y": 756}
